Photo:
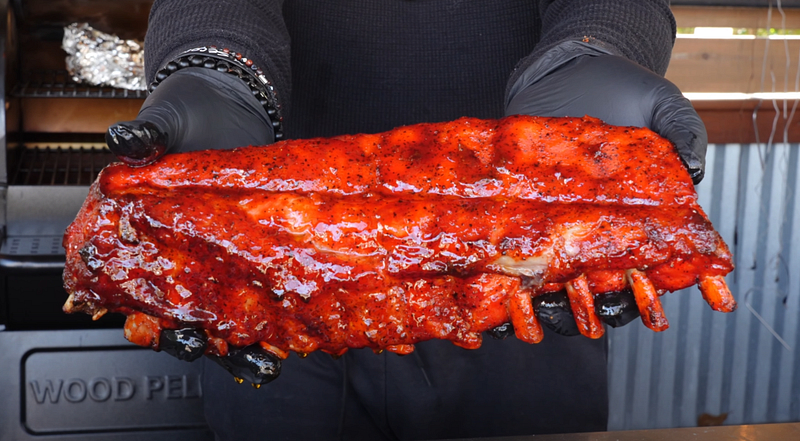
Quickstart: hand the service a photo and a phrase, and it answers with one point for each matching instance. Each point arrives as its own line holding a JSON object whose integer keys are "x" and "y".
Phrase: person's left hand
{"x": 577, "y": 79}
{"x": 617, "y": 91}
{"x": 554, "y": 311}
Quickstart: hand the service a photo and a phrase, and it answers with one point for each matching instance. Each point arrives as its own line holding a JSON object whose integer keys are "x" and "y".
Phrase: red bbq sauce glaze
{"x": 385, "y": 240}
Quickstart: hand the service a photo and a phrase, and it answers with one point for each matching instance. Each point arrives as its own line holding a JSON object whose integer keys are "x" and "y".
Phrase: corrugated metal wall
{"x": 746, "y": 363}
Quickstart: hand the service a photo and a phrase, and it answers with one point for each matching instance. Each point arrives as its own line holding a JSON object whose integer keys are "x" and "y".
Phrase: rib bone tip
{"x": 646, "y": 296}
{"x": 68, "y": 305}
{"x": 717, "y": 294}
{"x": 581, "y": 300}
{"x": 523, "y": 318}
{"x": 99, "y": 313}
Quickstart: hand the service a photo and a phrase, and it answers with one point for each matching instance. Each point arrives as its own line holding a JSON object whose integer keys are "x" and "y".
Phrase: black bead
{"x": 209, "y": 64}
{"x": 196, "y": 61}
{"x": 162, "y": 75}
{"x": 183, "y": 63}
{"x": 172, "y": 66}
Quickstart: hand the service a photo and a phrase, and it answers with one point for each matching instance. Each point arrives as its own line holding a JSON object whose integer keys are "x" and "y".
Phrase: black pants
{"x": 441, "y": 391}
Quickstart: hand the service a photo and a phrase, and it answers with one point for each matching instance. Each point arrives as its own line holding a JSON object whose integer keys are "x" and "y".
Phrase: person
{"x": 240, "y": 72}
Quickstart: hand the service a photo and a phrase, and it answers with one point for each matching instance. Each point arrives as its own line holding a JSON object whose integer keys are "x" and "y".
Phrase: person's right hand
{"x": 198, "y": 109}
{"x": 193, "y": 109}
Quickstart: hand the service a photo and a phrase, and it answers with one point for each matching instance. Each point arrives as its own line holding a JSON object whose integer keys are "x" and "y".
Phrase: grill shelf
{"x": 33, "y": 246}
{"x": 59, "y": 84}
{"x": 60, "y": 165}
{"x": 40, "y": 180}
{"x": 22, "y": 255}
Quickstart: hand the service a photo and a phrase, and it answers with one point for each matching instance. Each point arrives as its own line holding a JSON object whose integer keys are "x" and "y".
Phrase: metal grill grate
{"x": 60, "y": 165}
{"x": 59, "y": 84}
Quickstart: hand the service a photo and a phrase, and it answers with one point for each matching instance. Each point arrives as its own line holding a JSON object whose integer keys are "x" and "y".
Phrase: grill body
{"x": 66, "y": 376}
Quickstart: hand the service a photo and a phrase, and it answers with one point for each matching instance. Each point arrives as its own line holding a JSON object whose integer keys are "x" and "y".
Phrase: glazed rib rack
{"x": 441, "y": 230}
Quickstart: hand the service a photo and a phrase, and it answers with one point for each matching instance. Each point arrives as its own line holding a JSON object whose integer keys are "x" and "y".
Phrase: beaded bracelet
{"x": 223, "y": 60}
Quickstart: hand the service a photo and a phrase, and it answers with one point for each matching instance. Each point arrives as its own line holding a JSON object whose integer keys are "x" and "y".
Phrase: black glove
{"x": 192, "y": 109}
{"x": 577, "y": 79}
{"x": 198, "y": 109}
{"x": 553, "y": 310}
{"x": 252, "y": 363}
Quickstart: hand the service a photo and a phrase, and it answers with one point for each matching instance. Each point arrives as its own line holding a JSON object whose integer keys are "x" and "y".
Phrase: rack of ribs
{"x": 429, "y": 231}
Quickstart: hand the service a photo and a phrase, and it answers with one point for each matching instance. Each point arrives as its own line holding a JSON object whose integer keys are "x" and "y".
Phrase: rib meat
{"x": 441, "y": 230}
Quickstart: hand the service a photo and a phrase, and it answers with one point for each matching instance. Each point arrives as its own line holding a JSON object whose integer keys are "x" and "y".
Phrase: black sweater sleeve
{"x": 640, "y": 30}
{"x": 254, "y": 28}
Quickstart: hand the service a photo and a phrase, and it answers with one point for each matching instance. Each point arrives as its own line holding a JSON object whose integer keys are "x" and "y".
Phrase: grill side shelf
{"x": 37, "y": 216}
{"x": 31, "y": 254}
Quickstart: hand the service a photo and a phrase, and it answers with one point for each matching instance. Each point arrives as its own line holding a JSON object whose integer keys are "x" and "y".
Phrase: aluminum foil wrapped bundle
{"x": 102, "y": 59}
